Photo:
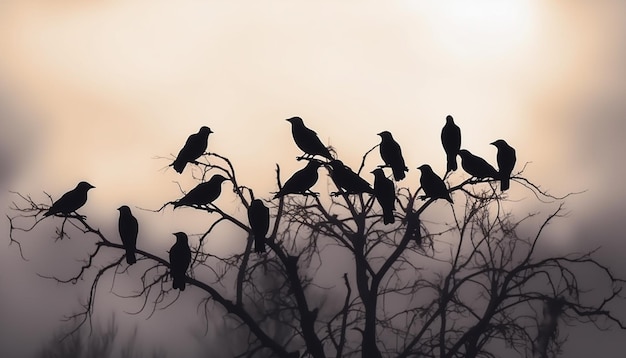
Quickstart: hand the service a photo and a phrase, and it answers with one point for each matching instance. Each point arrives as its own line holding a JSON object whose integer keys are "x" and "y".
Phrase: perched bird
{"x": 307, "y": 140}
{"x": 194, "y": 147}
{"x": 506, "y": 162}
{"x": 300, "y": 181}
{"x": 259, "y": 218}
{"x": 391, "y": 154}
{"x": 385, "y": 193}
{"x": 70, "y": 201}
{"x": 203, "y": 193}
{"x": 180, "y": 258}
{"x": 128, "y": 228}
{"x": 451, "y": 140}
{"x": 433, "y": 185}
{"x": 348, "y": 180}
{"x": 477, "y": 166}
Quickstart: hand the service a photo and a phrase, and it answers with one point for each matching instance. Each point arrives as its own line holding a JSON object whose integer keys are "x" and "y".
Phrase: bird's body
{"x": 259, "y": 218}
{"x": 300, "y": 181}
{"x": 477, "y": 166}
{"x": 203, "y": 193}
{"x": 307, "y": 140}
{"x": 432, "y": 184}
{"x": 506, "y": 162}
{"x": 194, "y": 147}
{"x": 385, "y": 193}
{"x": 70, "y": 201}
{"x": 348, "y": 180}
{"x": 451, "y": 141}
{"x": 128, "y": 228}
{"x": 180, "y": 258}
{"x": 391, "y": 154}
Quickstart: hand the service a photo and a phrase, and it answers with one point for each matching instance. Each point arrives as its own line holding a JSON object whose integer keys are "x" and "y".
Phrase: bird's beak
{"x": 493, "y": 143}
{"x": 91, "y": 186}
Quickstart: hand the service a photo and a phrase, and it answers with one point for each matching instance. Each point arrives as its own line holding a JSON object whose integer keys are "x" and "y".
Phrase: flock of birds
{"x": 301, "y": 182}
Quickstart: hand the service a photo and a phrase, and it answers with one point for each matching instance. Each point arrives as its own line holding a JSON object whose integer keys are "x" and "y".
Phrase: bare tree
{"x": 460, "y": 280}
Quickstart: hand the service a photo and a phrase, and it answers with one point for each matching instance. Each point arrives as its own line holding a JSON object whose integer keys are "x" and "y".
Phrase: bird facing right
{"x": 506, "y": 162}
{"x": 203, "y": 193}
{"x": 180, "y": 258}
{"x": 70, "y": 201}
{"x": 194, "y": 147}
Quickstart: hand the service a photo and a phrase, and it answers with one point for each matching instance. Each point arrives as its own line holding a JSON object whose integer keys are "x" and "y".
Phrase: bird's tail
{"x": 47, "y": 213}
{"x": 259, "y": 243}
{"x": 449, "y": 199}
{"x": 178, "y": 282}
{"x": 388, "y": 217}
{"x": 130, "y": 257}
{"x": 398, "y": 172}
{"x": 179, "y": 165}
{"x": 504, "y": 183}
{"x": 452, "y": 166}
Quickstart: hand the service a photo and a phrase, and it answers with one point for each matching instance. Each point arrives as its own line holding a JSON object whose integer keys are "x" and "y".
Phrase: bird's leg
{"x": 311, "y": 193}
{"x": 423, "y": 197}
{"x": 304, "y": 157}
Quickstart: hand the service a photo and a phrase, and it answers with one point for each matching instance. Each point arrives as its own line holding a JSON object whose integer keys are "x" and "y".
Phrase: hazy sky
{"x": 96, "y": 90}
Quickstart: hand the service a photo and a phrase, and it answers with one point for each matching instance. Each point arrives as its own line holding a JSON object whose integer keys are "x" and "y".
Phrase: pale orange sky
{"x": 94, "y": 91}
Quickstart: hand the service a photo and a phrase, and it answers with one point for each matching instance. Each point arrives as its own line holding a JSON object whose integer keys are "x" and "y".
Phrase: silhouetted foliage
{"x": 415, "y": 279}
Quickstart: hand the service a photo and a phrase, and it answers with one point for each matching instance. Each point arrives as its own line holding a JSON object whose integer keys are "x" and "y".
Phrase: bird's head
{"x": 385, "y": 134}
{"x": 218, "y": 178}
{"x": 378, "y": 172}
{"x": 205, "y": 130}
{"x": 256, "y": 202}
{"x": 335, "y": 164}
{"x": 295, "y": 120}
{"x": 124, "y": 208}
{"x": 499, "y": 143}
{"x": 449, "y": 119}
{"x": 84, "y": 185}
{"x": 181, "y": 237}
{"x": 464, "y": 153}
{"x": 425, "y": 168}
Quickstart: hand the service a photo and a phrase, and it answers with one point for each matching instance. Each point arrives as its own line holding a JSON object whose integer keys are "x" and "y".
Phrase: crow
{"x": 194, "y": 147}
{"x": 300, "y": 181}
{"x": 348, "y": 180}
{"x": 203, "y": 193}
{"x": 180, "y": 258}
{"x": 259, "y": 218}
{"x": 391, "y": 154}
{"x": 451, "y": 140}
{"x": 307, "y": 140}
{"x": 506, "y": 162}
{"x": 128, "y": 228}
{"x": 434, "y": 187}
{"x": 477, "y": 166}
{"x": 70, "y": 201}
{"x": 385, "y": 193}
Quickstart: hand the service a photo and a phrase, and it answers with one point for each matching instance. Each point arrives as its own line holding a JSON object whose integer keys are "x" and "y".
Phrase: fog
{"x": 98, "y": 91}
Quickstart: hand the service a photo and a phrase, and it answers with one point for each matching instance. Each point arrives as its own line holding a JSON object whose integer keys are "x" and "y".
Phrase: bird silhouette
{"x": 477, "y": 166}
{"x": 434, "y": 187}
{"x": 203, "y": 193}
{"x": 385, "y": 193}
{"x": 70, "y": 201}
{"x": 451, "y": 140}
{"x": 194, "y": 147}
{"x": 180, "y": 258}
{"x": 506, "y": 162}
{"x": 391, "y": 154}
{"x": 300, "y": 181}
{"x": 348, "y": 180}
{"x": 307, "y": 140}
{"x": 128, "y": 228}
{"x": 259, "y": 218}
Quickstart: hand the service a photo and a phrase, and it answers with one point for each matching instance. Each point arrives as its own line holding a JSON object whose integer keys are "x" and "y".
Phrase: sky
{"x": 98, "y": 91}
